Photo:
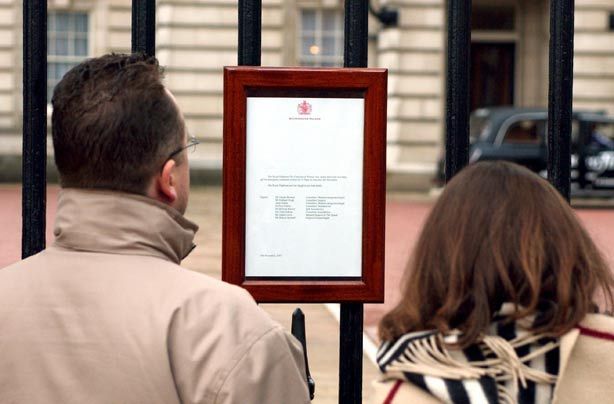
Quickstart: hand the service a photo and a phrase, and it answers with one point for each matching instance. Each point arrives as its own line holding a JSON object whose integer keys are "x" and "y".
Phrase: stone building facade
{"x": 196, "y": 38}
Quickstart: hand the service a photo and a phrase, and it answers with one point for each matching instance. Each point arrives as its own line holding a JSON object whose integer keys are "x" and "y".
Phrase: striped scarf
{"x": 509, "y": 365}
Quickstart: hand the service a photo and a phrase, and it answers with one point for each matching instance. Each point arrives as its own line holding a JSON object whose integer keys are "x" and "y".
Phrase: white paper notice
{"x": 304, "y": 187}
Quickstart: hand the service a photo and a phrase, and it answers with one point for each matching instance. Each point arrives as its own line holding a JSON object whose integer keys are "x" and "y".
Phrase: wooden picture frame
{"x": 318, "y": 83}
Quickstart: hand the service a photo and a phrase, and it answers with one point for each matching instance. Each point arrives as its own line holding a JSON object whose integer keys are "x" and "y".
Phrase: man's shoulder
{"x": 200, "y": 292}
{"x": 164, "y": 280}
{"x": 193, "y": 284}
{"x": 17, "y": 268}
{"x": 189, "y": 287}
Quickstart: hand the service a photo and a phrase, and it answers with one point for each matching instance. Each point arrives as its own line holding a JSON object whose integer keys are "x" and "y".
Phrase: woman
{"x": 498, "y": 303}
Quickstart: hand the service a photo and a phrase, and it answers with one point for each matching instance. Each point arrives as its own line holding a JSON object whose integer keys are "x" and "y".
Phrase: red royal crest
{"x": 304, "y": 108}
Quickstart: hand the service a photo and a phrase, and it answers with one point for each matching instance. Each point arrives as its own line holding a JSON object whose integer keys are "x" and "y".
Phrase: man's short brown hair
{"x": 113, "y": 123}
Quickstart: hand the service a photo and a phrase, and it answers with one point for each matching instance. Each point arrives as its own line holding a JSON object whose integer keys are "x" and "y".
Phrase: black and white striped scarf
{"x": 510, "y": 365}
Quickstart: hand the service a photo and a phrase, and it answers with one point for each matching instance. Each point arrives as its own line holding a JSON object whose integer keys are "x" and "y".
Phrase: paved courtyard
{"x": 404, "y": 217}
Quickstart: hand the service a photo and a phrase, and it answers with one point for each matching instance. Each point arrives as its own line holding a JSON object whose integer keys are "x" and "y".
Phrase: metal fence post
{"x": 352, "y": 314}
{"x": 560, "y": 94}
{"x": 144, "y": 26}
{"x": 34, "y": 170}
{"x": 250, "y": 32}
{"x": 457, "y": 85}
{"x": 356, "y": 33}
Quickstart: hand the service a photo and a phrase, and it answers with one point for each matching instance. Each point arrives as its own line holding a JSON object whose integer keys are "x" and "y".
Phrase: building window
{"x": 321, "y": 37}
{"x": 67, "y": 44}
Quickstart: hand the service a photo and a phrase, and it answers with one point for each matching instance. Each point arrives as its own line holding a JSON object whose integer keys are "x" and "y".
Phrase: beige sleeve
{"x": 223, "y": 349}
{"x": 405, "y": 393}
{"x": 272, "y": 371}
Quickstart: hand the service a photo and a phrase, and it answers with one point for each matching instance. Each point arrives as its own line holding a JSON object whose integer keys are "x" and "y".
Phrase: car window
{"x": 478, "y": 125}
{"x": 602, "y": 135}
{"x": 575, "y": 132}
{"x": 527, "y": 131}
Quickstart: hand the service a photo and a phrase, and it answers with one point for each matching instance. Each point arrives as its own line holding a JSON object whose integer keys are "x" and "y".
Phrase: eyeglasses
{"x": 191, "y": 146}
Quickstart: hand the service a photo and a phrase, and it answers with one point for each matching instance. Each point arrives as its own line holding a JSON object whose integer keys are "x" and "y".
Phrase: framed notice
{"x": 304, "y": 183}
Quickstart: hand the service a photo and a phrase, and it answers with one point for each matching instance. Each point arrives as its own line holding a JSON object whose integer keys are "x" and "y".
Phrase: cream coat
{"x": 106, "y": 315}
{"x": 586, "y": 372}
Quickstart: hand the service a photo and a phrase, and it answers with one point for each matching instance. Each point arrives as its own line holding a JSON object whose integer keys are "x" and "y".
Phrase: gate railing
{"x": 355, "y": 55}
{"x": 559, "y": 93}
{"x": 34, "y": 155}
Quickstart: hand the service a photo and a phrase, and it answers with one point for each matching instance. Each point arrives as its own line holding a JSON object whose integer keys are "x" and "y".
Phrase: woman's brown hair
{"x": 499, "y": 233}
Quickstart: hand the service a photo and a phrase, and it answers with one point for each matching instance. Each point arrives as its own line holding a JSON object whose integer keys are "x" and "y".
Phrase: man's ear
{"x": 165, "y": 183}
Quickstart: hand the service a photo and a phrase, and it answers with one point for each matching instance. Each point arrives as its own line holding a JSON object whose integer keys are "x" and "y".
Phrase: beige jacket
{"x": 586, "y": 370}
{"x": 106, "y": 315}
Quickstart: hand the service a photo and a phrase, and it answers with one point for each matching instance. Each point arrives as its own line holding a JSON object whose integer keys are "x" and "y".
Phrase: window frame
{"x": 72, "y": 36}
{"x": 318, "y": 33}
{"x": 508, "y": 122}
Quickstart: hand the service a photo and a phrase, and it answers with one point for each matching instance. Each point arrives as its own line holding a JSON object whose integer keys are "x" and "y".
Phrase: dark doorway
{"x": 492, "y": 74}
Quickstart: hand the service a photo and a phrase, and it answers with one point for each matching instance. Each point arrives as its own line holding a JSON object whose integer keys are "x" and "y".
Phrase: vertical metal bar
{"x": 34, "y": 170}
{"x": 350, "y": 353}
{"x": 560, "y": 94}
{"x": 356, "y": 33}
{"x": 351, "y": 316}
{"x": 144, "y": 26}
{"x": 457, "y": 96}
{"x": 250, "y": 32}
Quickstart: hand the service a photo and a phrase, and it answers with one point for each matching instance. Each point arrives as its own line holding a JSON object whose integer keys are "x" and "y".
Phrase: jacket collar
{"x": 120, "y": 223}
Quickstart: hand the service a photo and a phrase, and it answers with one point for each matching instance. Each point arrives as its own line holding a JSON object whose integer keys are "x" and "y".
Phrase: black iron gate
{"x": 355, "y": 55}
{"x": 559, "y": 93}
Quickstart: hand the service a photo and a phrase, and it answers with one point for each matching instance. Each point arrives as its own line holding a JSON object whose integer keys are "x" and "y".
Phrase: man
{"x": 106, "y": 315}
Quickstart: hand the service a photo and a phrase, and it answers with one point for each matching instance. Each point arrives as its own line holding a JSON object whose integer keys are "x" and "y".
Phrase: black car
{"x": 519, "y": 135}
